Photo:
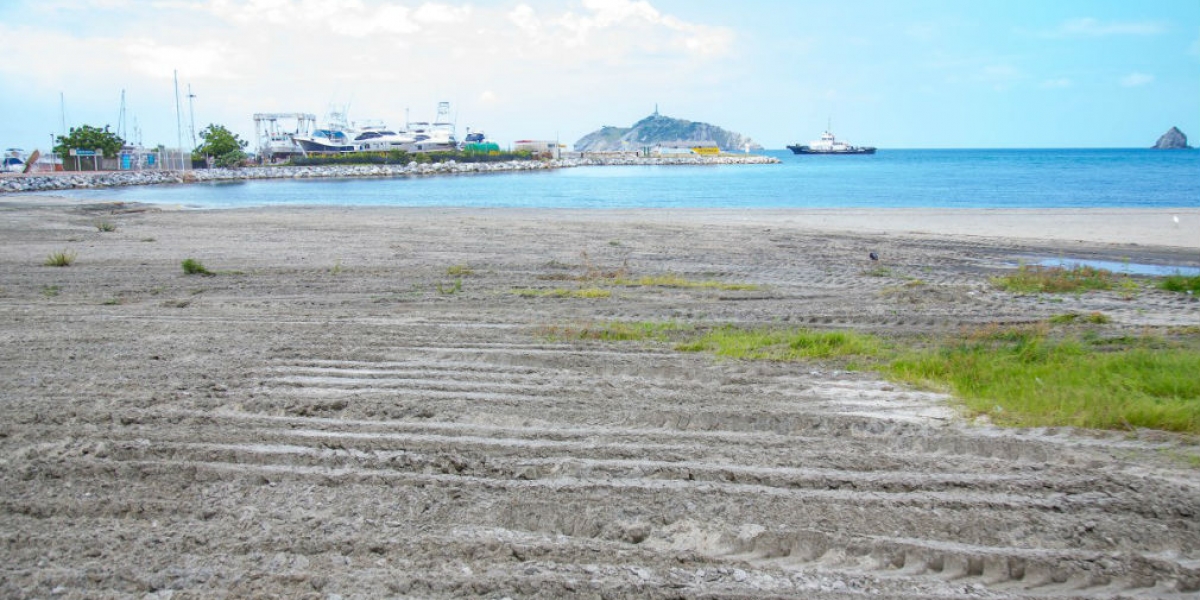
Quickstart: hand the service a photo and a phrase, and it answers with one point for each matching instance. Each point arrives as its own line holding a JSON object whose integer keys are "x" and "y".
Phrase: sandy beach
{"x": 365, "y": 403}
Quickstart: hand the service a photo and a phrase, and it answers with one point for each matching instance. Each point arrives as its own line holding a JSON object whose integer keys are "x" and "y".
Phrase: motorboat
{"x": 335, "y": 138}
{"x": 828, "y": 144}
{"x": 435, "y": 137}
{"x": 14, "y": 160}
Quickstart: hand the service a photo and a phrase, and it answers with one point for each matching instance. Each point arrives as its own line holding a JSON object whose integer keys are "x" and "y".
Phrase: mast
{"x": 121, "y": 118}
{"x": 178, "y": 121}
{"x": 192, "y": 115}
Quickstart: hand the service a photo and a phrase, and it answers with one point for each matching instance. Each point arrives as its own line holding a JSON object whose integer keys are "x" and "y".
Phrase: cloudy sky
{"x": 891, "y": 73}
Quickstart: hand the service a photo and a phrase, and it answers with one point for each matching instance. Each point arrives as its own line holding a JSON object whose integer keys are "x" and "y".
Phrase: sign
{"x": 81, "y": 152}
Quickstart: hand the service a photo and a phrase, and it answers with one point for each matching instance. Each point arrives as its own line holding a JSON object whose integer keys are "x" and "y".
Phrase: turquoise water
{"x": 1131, "y": 178}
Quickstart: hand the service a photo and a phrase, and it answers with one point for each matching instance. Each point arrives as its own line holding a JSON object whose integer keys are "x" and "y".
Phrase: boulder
{"x": 1173, "y": 139}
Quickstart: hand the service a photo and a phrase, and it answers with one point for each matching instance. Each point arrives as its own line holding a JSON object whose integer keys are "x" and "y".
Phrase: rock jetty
{"x": 1173, "y": 139}
{"x": 83, "y": 180}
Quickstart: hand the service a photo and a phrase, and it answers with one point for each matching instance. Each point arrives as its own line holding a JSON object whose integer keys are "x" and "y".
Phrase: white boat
{"x": 435, "y": 137}
{"x": 830, "y": 145}
{"x": 336, "y": 137}
{"x": 378, "y": 138}
{"x": 14, "y": 160}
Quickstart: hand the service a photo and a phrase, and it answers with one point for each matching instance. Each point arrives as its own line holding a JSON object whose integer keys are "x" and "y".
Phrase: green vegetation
{"x": 1039, "y": 375}
{"x": 1095, "y": 318}
{"x": 223, "y": 145}
{"x": 455, "y": 288}
{"x": 675, "y": 281}
{"x": 564, "y": 293}
{"x": 1033, "y": 279}
{"x": 87, "y": 137}
{"x": 1023, "y": 377}
{"x": 618, "y": 331}
{"x": 459, "y": 271}
{"x": 1181, "y": 283}
{"x": 192, "y": 266}
{"x": 51, "y": 291}
{"x": 62, "y": 258}
{"x": 784, "y": 345}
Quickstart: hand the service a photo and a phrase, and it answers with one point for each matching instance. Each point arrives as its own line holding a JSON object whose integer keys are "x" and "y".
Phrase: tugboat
{"x": 829, "y": 145}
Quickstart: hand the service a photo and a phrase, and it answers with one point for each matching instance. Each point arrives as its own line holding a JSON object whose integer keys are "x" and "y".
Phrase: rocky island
{"x": 657, "y": 129}
{"x": 1173, "y": 139}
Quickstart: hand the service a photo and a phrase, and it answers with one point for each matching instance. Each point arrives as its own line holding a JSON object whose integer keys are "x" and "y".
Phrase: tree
{"x": 87, "y": 137}
{"x": 221, "y": 144}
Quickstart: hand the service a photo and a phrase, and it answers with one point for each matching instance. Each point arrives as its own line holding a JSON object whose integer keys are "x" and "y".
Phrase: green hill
{"x": 658, "y": 128}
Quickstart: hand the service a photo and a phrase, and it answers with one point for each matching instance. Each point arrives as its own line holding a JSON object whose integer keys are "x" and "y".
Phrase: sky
{"x": 887, "y": 73}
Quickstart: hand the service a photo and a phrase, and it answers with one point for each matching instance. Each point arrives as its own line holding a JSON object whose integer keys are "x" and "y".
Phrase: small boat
{"x": 14, "y": 160}
{"x": 829, "y": 145}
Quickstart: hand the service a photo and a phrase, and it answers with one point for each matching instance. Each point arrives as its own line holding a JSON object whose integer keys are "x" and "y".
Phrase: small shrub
{"x": 63, "y": 258}
{"x": 1094, "y": 318}
{"x": 459, "y": 271}
{"x": 453, "y": 289}
{"x": 105, "y": 227}
{"x": 1033, "y": 279}
{"x": 1180, "y": 283}
{"x": 192, "y": 266}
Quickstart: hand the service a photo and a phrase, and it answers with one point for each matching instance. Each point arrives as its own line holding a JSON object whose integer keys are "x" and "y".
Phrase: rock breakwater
{"x": 67, "y": 181}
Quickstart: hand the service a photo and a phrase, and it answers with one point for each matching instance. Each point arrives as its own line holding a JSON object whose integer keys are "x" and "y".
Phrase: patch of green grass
{"x": 105, "y": 227}
{"x": 1022, "y": 377}
{"x": 62, "y": 258}
{"x": 51, "y": 291}
{"x": 564, "y": 293}
{"x": 456, "y": 287}
{"x": 617, "y": 331}
{"x": 1034, "y": 279}
{"x": 1181, "y": 283}
{"x": 878, "y": 272}
{"x": 1094, "y": 318}
{"x": 676, "y": 281}
{"x": 192, "y": 266}
{"x": 784, "y": 345}
{"x": 459, "y": 271}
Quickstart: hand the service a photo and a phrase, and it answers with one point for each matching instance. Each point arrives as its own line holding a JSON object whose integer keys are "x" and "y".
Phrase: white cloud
{"x": 152, "y": 58}
{"x": 1089, "y": 27}
{"x": 1136, "y": 80}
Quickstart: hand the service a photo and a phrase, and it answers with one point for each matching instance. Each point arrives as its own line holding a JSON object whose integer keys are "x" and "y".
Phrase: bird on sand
{"x": 873, "y": 256}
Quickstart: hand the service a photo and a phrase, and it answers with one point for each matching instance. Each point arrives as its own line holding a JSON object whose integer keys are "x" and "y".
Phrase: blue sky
{"x": 895, "y": 74}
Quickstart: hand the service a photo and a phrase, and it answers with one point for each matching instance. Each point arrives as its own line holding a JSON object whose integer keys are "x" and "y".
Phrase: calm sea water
{"x": 890, "y": 179}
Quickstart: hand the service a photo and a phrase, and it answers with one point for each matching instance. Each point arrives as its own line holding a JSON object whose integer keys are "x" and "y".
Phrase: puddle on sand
{"x": 1115, "y": 266}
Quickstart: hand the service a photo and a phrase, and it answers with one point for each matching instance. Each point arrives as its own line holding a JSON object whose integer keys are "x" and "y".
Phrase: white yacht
{"x": 435, "y": 137}
{"x": 14, "y": 160}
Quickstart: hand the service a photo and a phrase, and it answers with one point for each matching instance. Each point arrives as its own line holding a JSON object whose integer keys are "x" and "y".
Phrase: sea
{"x": 1007, "y": 178}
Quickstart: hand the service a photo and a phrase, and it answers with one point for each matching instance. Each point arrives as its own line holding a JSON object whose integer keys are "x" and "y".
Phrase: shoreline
{"x": 1132, "y": 230}
{"x": 65, "y": 180}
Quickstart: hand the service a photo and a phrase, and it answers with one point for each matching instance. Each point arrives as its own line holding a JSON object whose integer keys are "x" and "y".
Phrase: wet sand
{"x": 364, "y": 402}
